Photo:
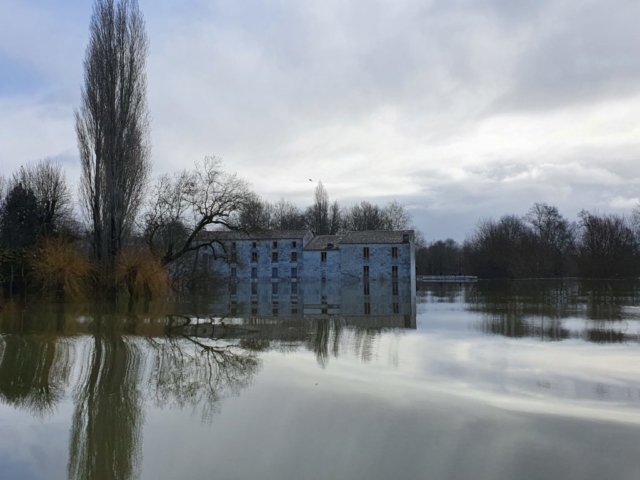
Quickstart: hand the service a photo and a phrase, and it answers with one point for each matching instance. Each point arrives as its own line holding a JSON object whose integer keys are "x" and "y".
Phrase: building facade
{"x": 293, "y": 255}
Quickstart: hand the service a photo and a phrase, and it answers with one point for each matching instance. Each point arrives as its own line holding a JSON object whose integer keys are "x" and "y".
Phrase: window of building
{"x": 254, "y": 311}
{"x": 234, "y": 310}
{"x": 396, "y": 307}
{"x": 254, "y": 272}
{"x": 254, "y": 289}
{"x": 405, "y": 238}
{"x": 323, "y": 256}
{"x": 294, "y": 272}
{"x": 394, "y": 271}
{"x": 233, "y": 288}
{"x": 274, "y": 257}
{"x": 294, "y": 256}
{"x": 234, "y": 272}
{"x": 275, "y": 244}
{"x": 294, "y": 311}
{"x": 365, "y": 271}
{"x": 294, "y": 288}
{"x": 233, "y": 245}
{"x": 395, "y": 288}
{"x": 254, "y": 245}
{"x": 367, "y": 308}
{"x": 234, "y": 257}
{"x": 274, "y": 273}
{"x": 394, "y": 252}
{"x": 274, "y": 288}
{"x": 367, "y": 290}
{"x": 274, "y": 311}
{"x": 324, "y": 299}
{"x": 365, "y": 253}
{"x": 254, "y": 256}
{"x": 294, "y": 244}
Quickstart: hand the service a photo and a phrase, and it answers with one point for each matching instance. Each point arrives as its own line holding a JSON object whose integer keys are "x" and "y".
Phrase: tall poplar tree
{"x": 112, "y": 126}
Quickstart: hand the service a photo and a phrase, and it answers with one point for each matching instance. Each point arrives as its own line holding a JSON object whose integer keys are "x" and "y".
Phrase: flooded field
{"x": 520, "y": 380}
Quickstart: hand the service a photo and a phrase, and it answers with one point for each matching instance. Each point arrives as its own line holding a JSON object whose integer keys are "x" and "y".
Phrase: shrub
{"x": 141, "y": 273}
{"x": 61, "y": 267}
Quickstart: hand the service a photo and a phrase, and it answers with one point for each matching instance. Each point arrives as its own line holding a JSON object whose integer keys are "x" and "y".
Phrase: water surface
{"x": 522, "y": 380}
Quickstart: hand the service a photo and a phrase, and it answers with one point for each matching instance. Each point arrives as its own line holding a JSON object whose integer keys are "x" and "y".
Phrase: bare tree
{"x": 607, "y": 246}
{"x": 255, "y": 214}
{"x": 112, "y": 125}
{"x": 335, "y": 218}
{"x": 555, "y": 237}
{"x": 184, "y": 205}
{"x": 318, "y": 213}
{"x": 47, "y": 181}
{"x": 365, "y": 216}
{"x": 287, "y": 216}
{"x": 396, "y": 216}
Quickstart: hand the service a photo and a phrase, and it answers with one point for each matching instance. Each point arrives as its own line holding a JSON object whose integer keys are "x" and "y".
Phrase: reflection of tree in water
{"x": 538, "y": 309}
{"x": 34, "y": 371}
{"x": 199, "y": 372}
{"x": 333, "y": 336}
{"x": 105, "y": 439}
{"x": 174, "y": 370}
{"x": 118, "y": 372}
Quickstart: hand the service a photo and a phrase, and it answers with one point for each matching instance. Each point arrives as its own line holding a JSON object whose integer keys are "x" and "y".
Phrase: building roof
{"x": 261, "y": 235}
{"x": 321, "y": 242}
{"x": 375, "y": 236}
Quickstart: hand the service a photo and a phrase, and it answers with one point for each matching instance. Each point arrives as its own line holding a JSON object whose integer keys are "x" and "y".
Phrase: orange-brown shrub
{"x": 62, "y": 268}
{"x": 142, "y": 274}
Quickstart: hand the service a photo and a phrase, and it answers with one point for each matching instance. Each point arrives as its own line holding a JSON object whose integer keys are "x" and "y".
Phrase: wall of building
{"x": 380, "y": 261}
{"x": 316, "y": 269}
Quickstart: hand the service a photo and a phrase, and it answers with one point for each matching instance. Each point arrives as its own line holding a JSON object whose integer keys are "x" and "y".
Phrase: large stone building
{"x": 298, "y": 254}
{"x": 293, "y": 272}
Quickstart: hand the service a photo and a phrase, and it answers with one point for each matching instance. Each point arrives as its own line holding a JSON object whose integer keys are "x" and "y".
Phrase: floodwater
{"x": 522, "y": 380}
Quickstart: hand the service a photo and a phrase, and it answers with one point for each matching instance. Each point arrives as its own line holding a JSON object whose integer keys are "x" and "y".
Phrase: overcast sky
{"x": 459, "y": 109}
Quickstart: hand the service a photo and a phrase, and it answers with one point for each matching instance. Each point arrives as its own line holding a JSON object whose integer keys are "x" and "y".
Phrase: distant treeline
{"x": 540, "y": 244}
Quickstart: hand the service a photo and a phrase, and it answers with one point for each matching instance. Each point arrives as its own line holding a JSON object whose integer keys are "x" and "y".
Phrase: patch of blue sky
{"x": 18, "y": 78}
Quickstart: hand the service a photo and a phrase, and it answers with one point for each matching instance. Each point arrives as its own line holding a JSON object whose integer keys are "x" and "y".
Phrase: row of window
{"x": 274, "y": 257}
{"x": 294, "y": 255}
{"x": 294, "y": 310}
{"x": 394, "y": 288}
{"x": 294, "y": 244}
{"x": 365, "y": 254}
{"x": 294, "y": 272}
{"x": 394, "y": 271}
{"x": 274, "y": 272}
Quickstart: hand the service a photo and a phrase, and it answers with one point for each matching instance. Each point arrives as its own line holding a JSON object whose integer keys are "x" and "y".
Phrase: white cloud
{"x": 460, "y": 109}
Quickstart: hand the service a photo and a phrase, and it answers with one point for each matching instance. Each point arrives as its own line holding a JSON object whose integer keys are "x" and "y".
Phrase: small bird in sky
{"x": 310, "y": 180}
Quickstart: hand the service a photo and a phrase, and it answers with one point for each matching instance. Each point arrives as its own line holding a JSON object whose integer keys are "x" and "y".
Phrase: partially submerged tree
{"x": 186, "y": 204}
{"x": 555, "y": 238}
{"x": 607, "y": 246}
{"x": 112, "y": 125}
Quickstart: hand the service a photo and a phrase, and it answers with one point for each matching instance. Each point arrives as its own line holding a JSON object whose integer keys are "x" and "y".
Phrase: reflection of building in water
{"x": 392, "y": 300}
